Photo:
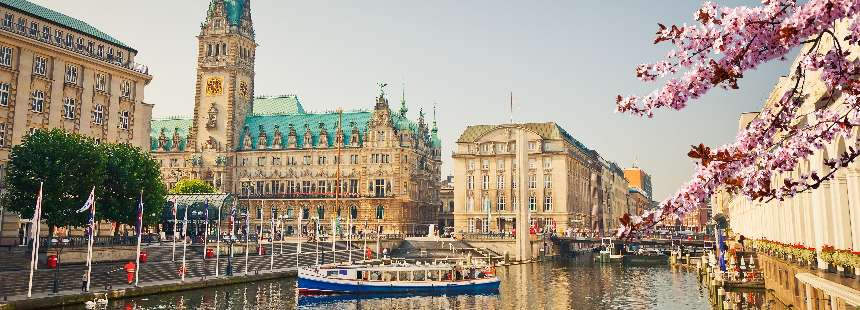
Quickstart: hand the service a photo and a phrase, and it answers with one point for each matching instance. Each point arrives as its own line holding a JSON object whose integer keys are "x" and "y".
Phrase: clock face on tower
{"x": 243, "y": 89}
{"x": 213, "y": 86}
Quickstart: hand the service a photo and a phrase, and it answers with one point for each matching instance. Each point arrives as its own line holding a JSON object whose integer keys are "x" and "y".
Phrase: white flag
{"x": 89, "y": 202}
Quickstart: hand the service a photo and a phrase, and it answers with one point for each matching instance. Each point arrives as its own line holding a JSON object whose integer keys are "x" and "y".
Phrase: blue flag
{"x": 140, "y": 216}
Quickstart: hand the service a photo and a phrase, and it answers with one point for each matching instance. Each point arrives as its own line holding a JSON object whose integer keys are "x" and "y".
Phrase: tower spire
{"x": 435, "y": 129}
{"x": 403, "y": 108}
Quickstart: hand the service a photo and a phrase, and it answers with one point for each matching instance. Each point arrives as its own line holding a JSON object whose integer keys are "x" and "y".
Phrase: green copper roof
{"x": 61, "y": 19}
{"x": 300, "y": 122}
{"x": 234, "y": 8}
{"x": 281, "y": 105}
{"x": 169, "y": 125}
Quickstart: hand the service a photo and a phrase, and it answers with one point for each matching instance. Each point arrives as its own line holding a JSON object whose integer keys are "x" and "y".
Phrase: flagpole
{"x": 218, "y": 242}
{"x": 317, "y": 247}
{"x": 206, "y": 230}
{"x": 272, "y": 240}
{"x": 333, "y": 235}
{"x": 247, "y": 233}
{"x": 173, "y": 255}
{"x": 139, "y": 232}
{"x": 299, "y": 233}
{"x": 92, "y": 234}
{"x": 183, "y": 269}
{"x": 349, "y": 235}
{"x": 34, "y": 254}
{"x": 365, "y": 239}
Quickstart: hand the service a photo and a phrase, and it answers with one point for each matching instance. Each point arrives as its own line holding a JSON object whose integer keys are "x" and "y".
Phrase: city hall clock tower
{"x": 224, "y": 90}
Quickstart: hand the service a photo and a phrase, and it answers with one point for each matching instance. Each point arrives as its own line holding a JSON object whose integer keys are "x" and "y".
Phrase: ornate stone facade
{"x": 274, "y": 154}
{"x": 569, "y": 185}
{"x": 60, "y": 72}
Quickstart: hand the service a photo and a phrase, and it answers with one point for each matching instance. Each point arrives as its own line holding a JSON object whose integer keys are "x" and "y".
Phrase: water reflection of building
{"x": 275, "y": 154}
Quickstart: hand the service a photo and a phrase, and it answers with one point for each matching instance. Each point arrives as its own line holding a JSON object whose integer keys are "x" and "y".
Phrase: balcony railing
{"x": 309, "y": 195}
{"x": 123, "y": 62}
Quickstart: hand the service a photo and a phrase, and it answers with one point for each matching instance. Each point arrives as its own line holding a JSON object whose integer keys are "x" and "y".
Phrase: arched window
{"x": 380, "y": 212}
{"x": 321, "y": 212}
{"x": 306, "y": 213}
{"x": 289, "y": 212}
{"x": 353, "y": 212}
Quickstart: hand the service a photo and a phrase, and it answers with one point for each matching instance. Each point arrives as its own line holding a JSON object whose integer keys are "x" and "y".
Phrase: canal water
{"x": 548, "y": 285}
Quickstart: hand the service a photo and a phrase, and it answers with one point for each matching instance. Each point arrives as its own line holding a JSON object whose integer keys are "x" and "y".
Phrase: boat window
{"x": 375, "y": 275}
{"x": 419, "y": 275}
{"x": 404, "y": 276}
{"x": 331, "y": 273}
{"x": 359, "y": 275}
{"x": 433, "y": 275}
{"x": 389, "y": 276}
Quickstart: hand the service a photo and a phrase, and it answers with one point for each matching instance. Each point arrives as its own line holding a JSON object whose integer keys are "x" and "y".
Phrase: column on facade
{"x": 840, "y": 219}
{"x": 853, "y": 186}
{"x": 822, "y": 218}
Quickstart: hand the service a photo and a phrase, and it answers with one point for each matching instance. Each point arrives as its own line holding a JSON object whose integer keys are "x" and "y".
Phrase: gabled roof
{"x": 169, "y": 125}
{"x": 39, "y": 11}
{"x": 300, "y": 121}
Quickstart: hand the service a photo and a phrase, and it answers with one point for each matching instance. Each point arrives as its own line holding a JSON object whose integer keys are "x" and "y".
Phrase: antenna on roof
{"x": 512, "y": 108}
{"x": 635, "y": 161}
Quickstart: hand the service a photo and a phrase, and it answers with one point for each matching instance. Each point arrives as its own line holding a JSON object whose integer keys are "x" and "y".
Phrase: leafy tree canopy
{"x": 131, "y": 172}
{"x": 192, "y": 186}
{"x": 67, "y": 164}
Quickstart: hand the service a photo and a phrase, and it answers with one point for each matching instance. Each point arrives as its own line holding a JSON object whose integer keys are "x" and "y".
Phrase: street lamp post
{"x": 62, "y": 243}
{"x": 230, "y": 239}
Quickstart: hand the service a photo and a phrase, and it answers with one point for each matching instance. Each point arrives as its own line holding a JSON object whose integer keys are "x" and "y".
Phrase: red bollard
{"x": 210, "y": 253}
{"x": 261, "y": 250}
{"x": 143, "y": 257}
{"x": 52, "y": 261}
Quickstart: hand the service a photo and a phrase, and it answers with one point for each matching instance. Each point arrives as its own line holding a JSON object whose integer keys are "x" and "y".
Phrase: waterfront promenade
{"x": 160, "y": 274}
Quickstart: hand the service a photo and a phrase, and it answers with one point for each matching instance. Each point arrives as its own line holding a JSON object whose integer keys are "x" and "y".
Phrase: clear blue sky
{"x": 564, "y": 61}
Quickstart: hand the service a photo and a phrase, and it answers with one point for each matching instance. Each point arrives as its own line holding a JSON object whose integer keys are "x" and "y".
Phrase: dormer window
{"x": 46, "y": 34}
{"x": 101, "y": 51}
{"x": 7, "y": 21}
{"x": 119, "y": 57}
{"x": 22, "y": 25}
{"x": 34, "y": 29}
{"x": 70, "y": 41}
{"x": 58, "y": 37}
{"x": 80, "y": 44}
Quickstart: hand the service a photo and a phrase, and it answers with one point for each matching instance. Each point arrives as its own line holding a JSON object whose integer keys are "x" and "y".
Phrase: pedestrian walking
{"x": 84, "y": 280}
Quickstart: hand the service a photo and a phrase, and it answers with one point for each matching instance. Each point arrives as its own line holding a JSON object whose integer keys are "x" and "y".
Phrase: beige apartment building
{"x": 567, "y": 186}
{"x": 59, "y": 72}
{"x": 285, "y": 161}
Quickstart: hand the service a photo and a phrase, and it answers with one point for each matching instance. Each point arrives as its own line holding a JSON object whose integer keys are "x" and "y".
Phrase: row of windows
{"x": 62, "y": 39}
{"x": 309, "y": 160}
{"x": 500, "y": 182}
{"x": 378, "y": 188}
{"x": 489, "y": 148}
{"x": 501, "y": 204}
{"x": 37, "y": 104}
{"x": 40, "y": 68}
{"x": 500, "y": 164}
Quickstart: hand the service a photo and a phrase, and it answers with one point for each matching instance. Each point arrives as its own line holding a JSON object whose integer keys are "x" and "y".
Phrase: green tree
{"x": 129, "y": 172}
{"x": 193, "y": 186}
{"x": 70, "y": 165}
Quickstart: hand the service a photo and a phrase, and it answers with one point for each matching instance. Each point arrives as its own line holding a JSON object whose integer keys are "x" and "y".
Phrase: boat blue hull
{"x": 321, "y": 287}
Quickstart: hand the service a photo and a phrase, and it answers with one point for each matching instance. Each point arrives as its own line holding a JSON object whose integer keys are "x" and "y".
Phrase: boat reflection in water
{"x": 430, "y": 300}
